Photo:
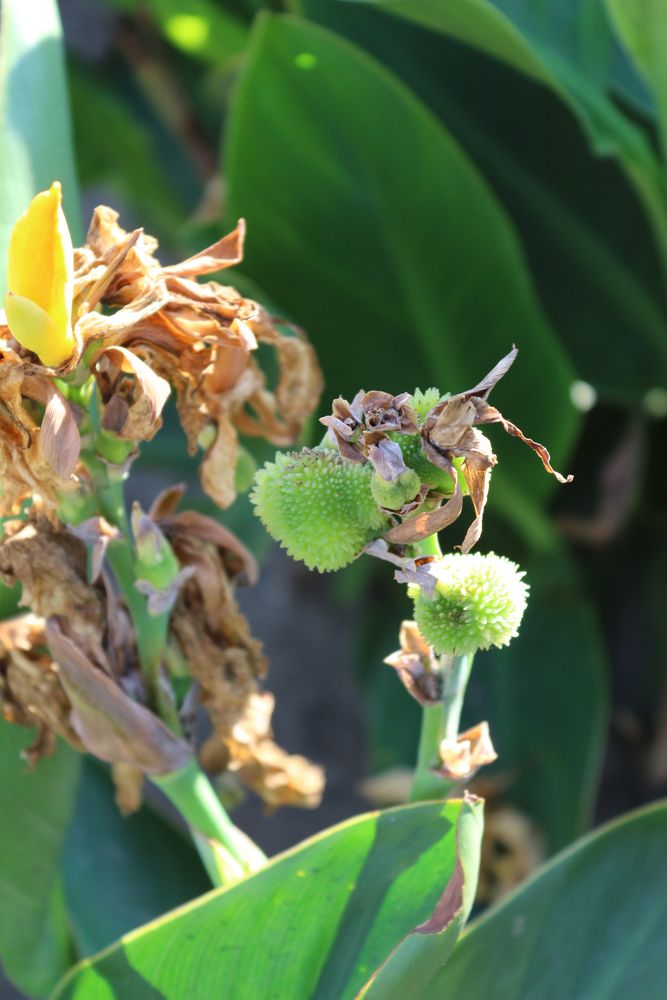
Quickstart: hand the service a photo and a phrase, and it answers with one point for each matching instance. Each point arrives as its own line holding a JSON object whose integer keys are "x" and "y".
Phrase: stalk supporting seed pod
{"x": 478, "y": 602}
{"x": 318, "y": 506}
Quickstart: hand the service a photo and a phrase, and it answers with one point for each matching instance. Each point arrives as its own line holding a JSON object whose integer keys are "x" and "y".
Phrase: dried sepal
{"x": 133, "y": 395}
{"x": 462, "y": 757}
{"x": 417, "y": 665}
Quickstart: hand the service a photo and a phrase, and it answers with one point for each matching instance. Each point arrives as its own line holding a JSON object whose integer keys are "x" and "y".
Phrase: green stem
{"x": 226, "y": 852}
{"x": 440, "y": 722}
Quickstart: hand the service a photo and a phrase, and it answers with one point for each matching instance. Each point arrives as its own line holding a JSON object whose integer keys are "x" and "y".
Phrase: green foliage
{"x": 318, "y": 506}
{"x": 434, "y": 283}
{"x": 36, "y": 810}
{"x": 589, "y": 926}
{"x": 139, "y": 866}
{"x": 36, "y": 134}
{"x": 328, "y": 912}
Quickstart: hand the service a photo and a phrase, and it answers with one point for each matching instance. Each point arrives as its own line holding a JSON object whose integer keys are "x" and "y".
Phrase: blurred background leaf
{"x": 394, "y": 280}
{"x": 34, "y": 114}
{"x": 36, "y": 808}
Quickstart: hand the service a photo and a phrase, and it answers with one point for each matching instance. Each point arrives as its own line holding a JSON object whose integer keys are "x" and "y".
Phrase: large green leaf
{"x": 573, "y": 210}
{"x": 591, "y": 926}
{"x": 35, "y": 810}
{"x": 642, "y": 26}
{"x": 315, "y": 923}
{"x": 35, "y": 130}
{"x": 140, "y": 866}
{"x": 370, "y": 227}
{"x": 568, "y": 46}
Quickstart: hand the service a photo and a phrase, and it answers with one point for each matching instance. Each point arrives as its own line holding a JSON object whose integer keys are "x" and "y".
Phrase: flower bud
{"x": 40, "y": 279}
{"x": 399, "y": 491}
{"x": 478, "y": 602}
{"x": 318, "y": 506}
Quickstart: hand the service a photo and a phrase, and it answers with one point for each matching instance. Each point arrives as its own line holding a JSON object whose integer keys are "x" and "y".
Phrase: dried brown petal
{"x": 110, "y": 725}
{"x": 128, "y": 781}
{"x": 97, "y": 533}
{"x": 132, "y": 405}
{"x": 426, "y": 523}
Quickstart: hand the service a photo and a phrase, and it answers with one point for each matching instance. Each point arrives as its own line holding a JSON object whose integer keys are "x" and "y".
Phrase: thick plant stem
{"x": 440, "y": 722}
{"x": 225, "y": 851}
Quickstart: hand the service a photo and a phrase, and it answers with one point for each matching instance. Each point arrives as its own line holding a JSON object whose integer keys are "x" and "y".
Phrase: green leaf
{"x": 412, "y": 965}
{"x": 545, "y": 696}
{"x": 370, "y": 227}
{"x": 36, "y": 808}
{"x": 568, "y": 47}
{"x": 642, "y": 27}
{"x": 35, "y": 134}
{"x": 590, "y": 926}
{"x": 140, "y": 866}
{"x": 316, "y": 922}
{"x": 573, "y": 210}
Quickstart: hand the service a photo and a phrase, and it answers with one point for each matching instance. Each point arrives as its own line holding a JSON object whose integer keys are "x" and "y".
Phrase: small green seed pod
{"x": 414, "y": 458}
{"x": 478, "y": 602}
{"x": 393, "y": 495}
{"x": 318, "y": 506}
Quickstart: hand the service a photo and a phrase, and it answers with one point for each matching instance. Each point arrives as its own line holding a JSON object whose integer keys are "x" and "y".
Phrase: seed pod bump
{"x": 478, "y": 602}
{"x": 318, "y": 506}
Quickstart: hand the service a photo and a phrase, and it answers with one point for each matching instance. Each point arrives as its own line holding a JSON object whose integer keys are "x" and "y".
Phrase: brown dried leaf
{"x": 51, "y": 566}
{"x": 110, "y": 725}
{"x": 31, "y": 693}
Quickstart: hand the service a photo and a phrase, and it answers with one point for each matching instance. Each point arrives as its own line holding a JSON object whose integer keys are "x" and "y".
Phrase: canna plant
{"x": 132, "y": 630}
{"x": 132, "y": 620}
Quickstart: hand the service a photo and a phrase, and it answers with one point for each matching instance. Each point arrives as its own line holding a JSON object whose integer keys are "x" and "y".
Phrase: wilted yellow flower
{"x": 40, "y": 279}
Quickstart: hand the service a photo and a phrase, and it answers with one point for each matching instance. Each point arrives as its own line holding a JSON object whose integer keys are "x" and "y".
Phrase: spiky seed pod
{"x": 318, "y": 506}
{"x": 478, "y": 602}
{"x": 393, "y": 495}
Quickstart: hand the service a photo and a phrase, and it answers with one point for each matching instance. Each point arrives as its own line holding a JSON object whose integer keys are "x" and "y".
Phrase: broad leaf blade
{"x": 36, "y": 808}
{"x": 371, "y": 228}
{"x": 573, "y": 210}
{"x": 314, "y": 923}
{"x": 139, "y": 866}
{"x": 591, "y": 926}
{"x": 412, "y": 965}
{"x": 35, "y": 132}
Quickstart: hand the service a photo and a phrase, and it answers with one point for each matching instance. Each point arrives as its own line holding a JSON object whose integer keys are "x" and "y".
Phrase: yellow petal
{"x": 41, "y": 267}
{"x": 34, "y": 329}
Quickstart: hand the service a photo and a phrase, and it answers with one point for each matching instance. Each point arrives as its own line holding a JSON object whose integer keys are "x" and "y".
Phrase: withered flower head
{"x": 111, "y": 311}
{"x": 437, "y": 439}
{"x": 462, "y": 758}
{"x": 72, "y": 667}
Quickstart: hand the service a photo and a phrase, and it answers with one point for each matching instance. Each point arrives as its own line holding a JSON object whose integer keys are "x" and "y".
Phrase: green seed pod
{"x": 478, "y": 602}
{"x": 393, "y": 495}
{"x": 423, "y": 402}
{"x": 318, "y": 506}
{"x": 414, "y": 458}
